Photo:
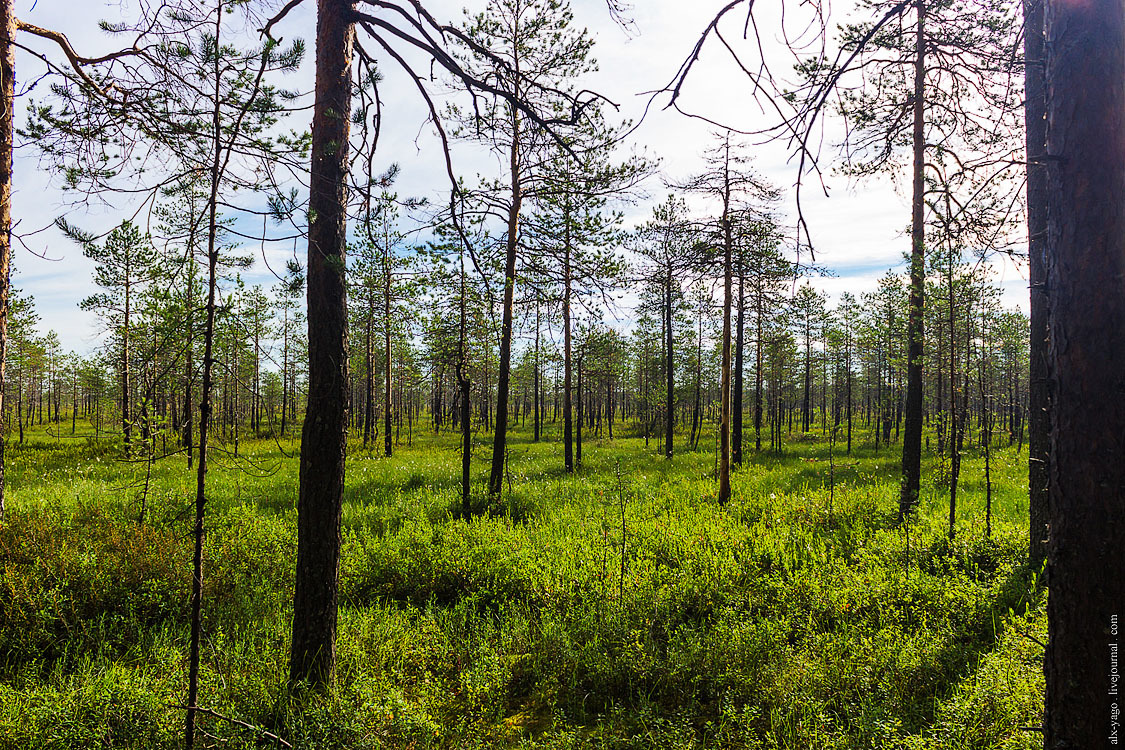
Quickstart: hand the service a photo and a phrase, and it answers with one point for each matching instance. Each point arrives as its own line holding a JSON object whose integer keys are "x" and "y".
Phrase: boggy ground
{"x": 618, "y": 608}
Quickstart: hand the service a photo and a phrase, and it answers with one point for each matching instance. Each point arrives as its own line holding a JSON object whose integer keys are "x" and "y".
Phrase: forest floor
{"x": 618, "y": 608}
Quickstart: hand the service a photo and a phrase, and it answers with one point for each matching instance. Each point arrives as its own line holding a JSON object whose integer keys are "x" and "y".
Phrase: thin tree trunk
{"x": 954, "y": 426}
{"x": 369, "y": 375}
{"x": 535, "y": 387}
{"x": 578, "y": 421}
{"x": 758, "y": 372}
{"x": 725, "y": 376}
{"x": 388, "y": 449}
{"x": 736, "y": 426}
{"x": 568, "y": 429}
{"x": 464, "y": 384}
{"x": 7, "y": 127}
{"x": 500, "y": 435}
{"x": 204, "y": 406}
{"x": 670, "y": 374}
{"x": 912, "y": 434}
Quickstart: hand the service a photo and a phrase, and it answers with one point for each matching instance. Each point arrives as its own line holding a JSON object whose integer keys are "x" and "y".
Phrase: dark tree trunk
{"x": 284, "y": 370}
{"x": 758, "y": 371}
{"x": 724, "y": 378}
{"x": 535, "y": 388}
{"x": 912, "y": 432}
{"x": 466, "y": 414}
{"x": 205, "y": 399}
{"x": 806, "y": 388}
{"x": 568, "y": 375}
{"x": 1086, "y": 361}
{"x": 500, "y": 435}
{"x": 126, "y": 382}
{"x": 736, "y": 425}
{"x": 324, "y": 437}
{"x": 388, "y": 449}
{"x": 578, "y": 421}
{"x": 1035, "y": 120}
{"x": 670, "y": 370}
{"x": 369, "y": 377}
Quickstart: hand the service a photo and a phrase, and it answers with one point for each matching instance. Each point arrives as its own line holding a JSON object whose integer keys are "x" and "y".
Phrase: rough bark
{"x": 500, "y": 435}
{"x": 1035, "y": 120}
{"x": 1086, "y": 361}
{"x": 324, "y": 437}
{"x": 912, "y": 430}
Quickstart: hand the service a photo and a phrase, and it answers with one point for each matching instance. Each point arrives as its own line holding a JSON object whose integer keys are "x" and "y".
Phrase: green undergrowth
{"x": 620, "y": 607}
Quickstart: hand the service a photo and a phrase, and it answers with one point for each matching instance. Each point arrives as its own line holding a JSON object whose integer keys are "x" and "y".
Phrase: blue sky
{"x": 858, "y": 231}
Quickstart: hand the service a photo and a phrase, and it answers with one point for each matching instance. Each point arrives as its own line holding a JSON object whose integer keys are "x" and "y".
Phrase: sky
{"x": 858, "y": 230}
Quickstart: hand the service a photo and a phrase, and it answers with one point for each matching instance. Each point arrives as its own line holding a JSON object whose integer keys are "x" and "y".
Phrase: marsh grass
{"x": 575, "y": 611}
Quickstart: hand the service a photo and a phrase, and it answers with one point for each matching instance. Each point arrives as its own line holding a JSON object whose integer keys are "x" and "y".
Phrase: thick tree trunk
{"x": 324, "y": 437}
{"x": 1035, "y": 120}
{"x": 1086, "y": 360}
{"x": 912, "y": 432}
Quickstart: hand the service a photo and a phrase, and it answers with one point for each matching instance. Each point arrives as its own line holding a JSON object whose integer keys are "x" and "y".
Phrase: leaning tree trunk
{"x": 1035, "y": 120}
{"x": 1086, "y": 362}
{"x": 912, "y": 432}
{"x": 324, "y": 436}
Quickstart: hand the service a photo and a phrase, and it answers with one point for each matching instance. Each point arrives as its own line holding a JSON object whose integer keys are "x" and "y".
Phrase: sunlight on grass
{"x": 594, "y": 610}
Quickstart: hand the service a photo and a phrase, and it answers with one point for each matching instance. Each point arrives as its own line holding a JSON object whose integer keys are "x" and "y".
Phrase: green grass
{"x": 621, "y": 607}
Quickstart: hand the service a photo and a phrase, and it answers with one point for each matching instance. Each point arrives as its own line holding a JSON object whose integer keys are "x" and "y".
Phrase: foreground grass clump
{"x": 620, "y": 607}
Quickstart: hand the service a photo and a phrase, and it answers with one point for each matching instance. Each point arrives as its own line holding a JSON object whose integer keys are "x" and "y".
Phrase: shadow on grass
{"x": 961, "y": 655}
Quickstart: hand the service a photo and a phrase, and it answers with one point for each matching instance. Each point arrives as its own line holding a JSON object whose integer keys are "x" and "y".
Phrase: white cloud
{"x": 858, "y": 230}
